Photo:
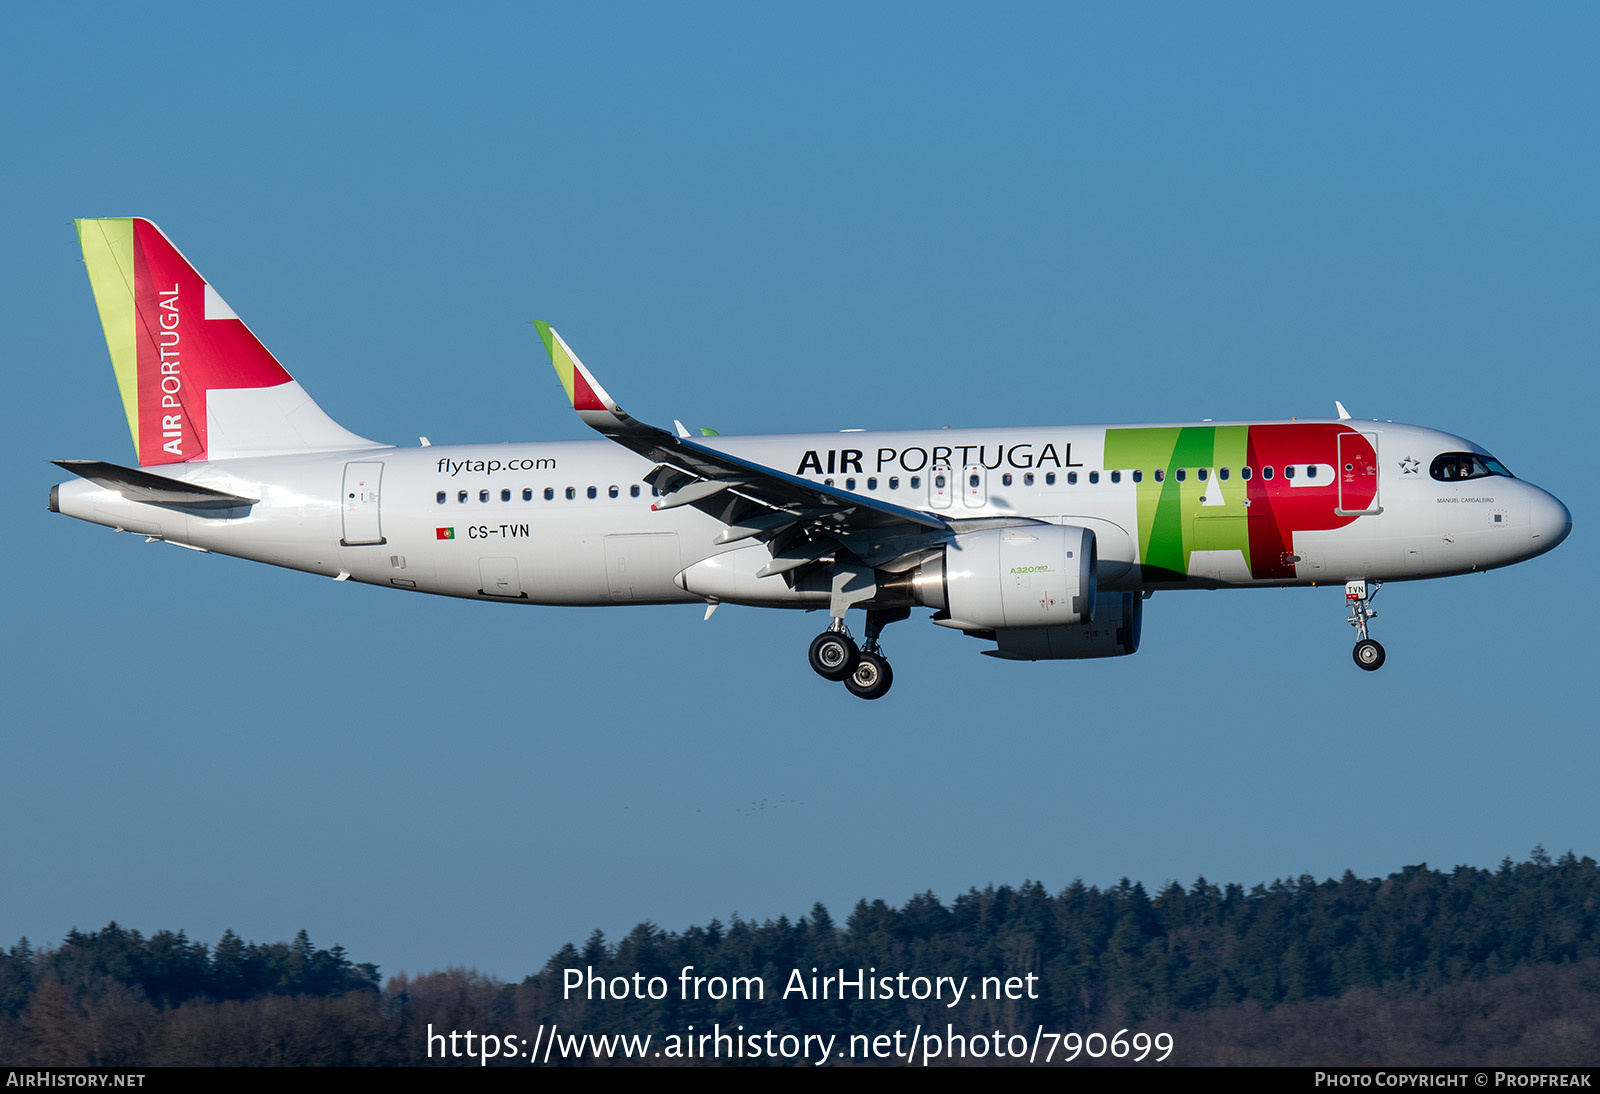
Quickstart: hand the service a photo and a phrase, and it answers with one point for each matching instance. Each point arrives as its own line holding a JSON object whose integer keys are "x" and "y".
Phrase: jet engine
{"x": 1036, "y": 575}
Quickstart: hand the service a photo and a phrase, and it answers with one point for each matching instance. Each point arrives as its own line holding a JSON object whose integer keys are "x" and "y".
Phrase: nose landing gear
{"x": 1359, "y": 594}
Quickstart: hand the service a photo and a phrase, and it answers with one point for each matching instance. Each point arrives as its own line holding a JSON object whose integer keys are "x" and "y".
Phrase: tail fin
{"x": 196, "y": 384}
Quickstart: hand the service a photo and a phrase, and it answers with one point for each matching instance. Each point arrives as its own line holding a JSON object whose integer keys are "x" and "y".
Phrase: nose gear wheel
{"x": 1358, "y": 594}
{"x": 1368, "y": 654}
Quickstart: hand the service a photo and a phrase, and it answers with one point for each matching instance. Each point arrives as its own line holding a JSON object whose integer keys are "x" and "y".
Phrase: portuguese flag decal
{"x": 444, "y": 533}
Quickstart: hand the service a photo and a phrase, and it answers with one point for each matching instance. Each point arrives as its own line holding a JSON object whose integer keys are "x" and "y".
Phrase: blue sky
{"x": 773, "y": 220}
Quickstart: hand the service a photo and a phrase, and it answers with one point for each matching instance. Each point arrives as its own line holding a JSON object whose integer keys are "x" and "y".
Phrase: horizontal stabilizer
{"x": 138, "y": 485}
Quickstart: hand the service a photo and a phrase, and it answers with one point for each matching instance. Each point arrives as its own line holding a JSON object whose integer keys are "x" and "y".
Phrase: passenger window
{"x": 827, "y": 482}
{"x": 916, "y": 482}
{"x": 1161, "y": 474}
{"x": 1311, "y": 470}
{"x": 1027, "y": 480}
{"x": 633, "y": 491}
{"x": 1222, "y": 473}
{"x": 1116, "y": 476}
{"x": 1201, "y": 474}
{"x": 1182, "y": 474}
{"x": 1266, "y": 472}
{"x": 894, "y": 482}
{"x": 938, "y": 482}
{"x": 1138, "y": 476}
{"x": 1245, "y": 472}
{"x": 593, "y": 492}
{"x": 505, "y": 495}
{"x": 527, "y": 493}
{"x": 461, "y": 497}
{"x": 572, "y": 492}
{"x": 872, "y": 484}
{"x": 972, "y": 481}
{"x": 1094, "y": 478}
{"x": 1288, "y": 471}
{"x": 442, "y": 496}
{"x": 549, "y": 494}
{"x": 613, "y": 493}
{"x": 849, "y": 484}
{"x": 1005, "y": 480}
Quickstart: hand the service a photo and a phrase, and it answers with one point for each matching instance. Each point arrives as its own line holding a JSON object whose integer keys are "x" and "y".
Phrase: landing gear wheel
{"x": 1368, "y": 654}
{"x": 833, "y": 655}
{"x": 1358, "y": 594}
{"x": 871, "y": 678}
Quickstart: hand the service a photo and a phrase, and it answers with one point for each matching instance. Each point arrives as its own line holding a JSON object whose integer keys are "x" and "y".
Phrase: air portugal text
{"x": 842, "y": 461}
{"x": 171, "y": 373}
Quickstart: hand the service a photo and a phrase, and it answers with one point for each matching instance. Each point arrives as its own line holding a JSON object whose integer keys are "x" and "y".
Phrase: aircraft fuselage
{"x": 571, "y": 523}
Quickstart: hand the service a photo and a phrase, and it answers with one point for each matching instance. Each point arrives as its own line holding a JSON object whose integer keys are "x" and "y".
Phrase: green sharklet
{"x": 1173, "y": 521}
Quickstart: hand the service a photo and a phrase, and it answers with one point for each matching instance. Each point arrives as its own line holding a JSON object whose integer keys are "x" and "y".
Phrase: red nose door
{"x": 1358, "y": 474}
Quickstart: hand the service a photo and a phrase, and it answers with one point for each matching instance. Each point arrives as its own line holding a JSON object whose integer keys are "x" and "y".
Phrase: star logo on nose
{"x": 1408, "y": 466}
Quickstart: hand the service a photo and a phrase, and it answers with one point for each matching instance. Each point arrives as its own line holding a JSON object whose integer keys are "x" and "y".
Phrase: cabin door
{"x": 1358, "y": 474}
{"x": 361, "y": 524}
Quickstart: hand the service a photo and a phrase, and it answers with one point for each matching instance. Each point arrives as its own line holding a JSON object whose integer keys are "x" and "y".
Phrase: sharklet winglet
{"x": 592, "y": 402}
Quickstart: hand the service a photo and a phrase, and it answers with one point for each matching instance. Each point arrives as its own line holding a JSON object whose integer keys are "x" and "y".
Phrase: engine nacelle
{"x": 1114, "y": 632}
{"x": 1036, "y": 575}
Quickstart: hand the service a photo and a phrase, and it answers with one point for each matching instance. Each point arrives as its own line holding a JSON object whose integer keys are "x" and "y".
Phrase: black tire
{"x": 1368, "y": 654}
{"x": 871, "y": 679}
{"x": 833, "y": 655}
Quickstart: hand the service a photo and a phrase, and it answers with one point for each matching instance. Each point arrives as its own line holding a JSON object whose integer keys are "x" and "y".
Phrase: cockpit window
{"x": 1454, "y": 466}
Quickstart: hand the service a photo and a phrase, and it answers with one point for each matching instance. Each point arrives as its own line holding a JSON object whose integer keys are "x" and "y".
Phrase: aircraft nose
{"x": 1549, "y": 522}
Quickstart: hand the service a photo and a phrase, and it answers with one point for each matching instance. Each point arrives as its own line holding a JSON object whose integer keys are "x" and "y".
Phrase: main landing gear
{"x": 864, "y": 670}
{"x": 1358, "y": 594}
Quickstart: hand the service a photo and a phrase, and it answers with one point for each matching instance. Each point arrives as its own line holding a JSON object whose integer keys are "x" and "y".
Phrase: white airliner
{"x": 1044, "y": 541}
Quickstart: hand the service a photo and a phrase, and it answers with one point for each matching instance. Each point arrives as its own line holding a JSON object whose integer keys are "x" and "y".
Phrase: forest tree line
{"x": 1454, "y": 964}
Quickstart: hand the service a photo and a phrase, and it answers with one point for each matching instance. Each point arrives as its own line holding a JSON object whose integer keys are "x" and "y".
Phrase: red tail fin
{"x": 196, "y": 384}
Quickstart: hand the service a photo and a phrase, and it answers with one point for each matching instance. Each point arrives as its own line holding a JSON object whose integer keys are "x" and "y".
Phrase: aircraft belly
{"x": 1225, "y": 567}
{"x": 640, "y": 567}
{"x": 146, "y": 520}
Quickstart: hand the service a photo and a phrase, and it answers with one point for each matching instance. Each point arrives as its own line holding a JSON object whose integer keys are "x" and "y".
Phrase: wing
{"x": 802, "y": 523}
